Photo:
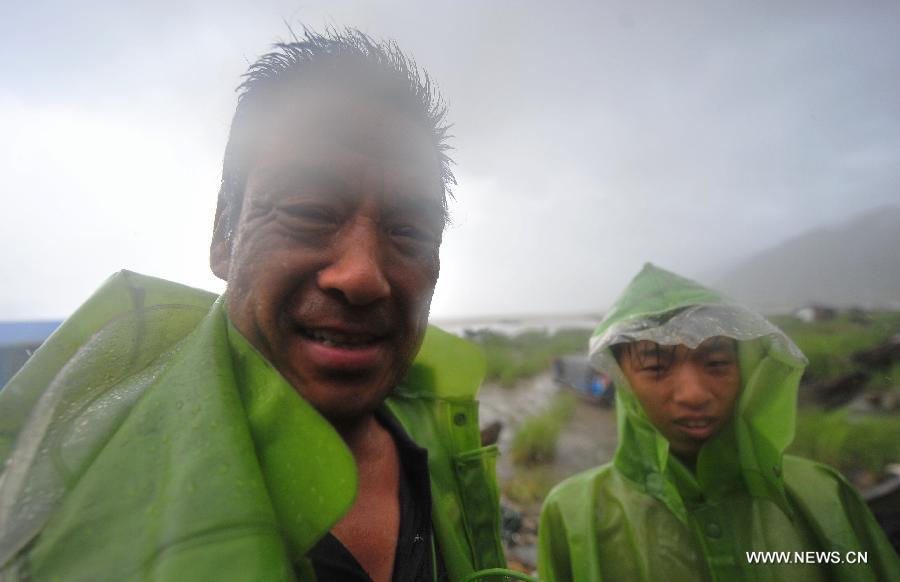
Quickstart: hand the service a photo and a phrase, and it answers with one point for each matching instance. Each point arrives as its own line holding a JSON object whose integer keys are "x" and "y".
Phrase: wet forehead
{"x": 326, "y": 138}
{"x": 323, "y": 115}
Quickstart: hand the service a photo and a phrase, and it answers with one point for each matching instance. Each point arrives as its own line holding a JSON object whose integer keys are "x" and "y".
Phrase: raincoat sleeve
{"x": 881, "y": 555}
{"x": 567, "y": 546}
{"x": 841, "y": 518}
{"x": 553, "y": 546}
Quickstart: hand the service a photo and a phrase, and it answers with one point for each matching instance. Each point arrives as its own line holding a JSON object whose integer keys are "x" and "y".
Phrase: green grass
{"x": 893, "y": 376}
{"x": 830, "y": 345}
{"x": 530, "y": 486}
{"x": 846, "y": 441}
{"x": 535, "y": 440}
{"x": 513, "y": 358}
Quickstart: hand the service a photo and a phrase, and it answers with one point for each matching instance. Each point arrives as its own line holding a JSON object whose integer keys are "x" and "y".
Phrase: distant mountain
{"x": 856, "y": 263}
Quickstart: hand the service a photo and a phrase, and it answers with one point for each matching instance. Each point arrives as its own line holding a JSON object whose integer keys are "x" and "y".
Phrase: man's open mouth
{"x": 348, "y": 341}
{"x": 695, "y": 422}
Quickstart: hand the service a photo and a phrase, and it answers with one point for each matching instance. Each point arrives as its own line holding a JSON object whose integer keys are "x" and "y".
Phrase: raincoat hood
{"x": 665, "y": 308}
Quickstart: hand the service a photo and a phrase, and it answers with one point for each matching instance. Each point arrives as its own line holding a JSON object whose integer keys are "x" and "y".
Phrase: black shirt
{"x": 332, "y": 561}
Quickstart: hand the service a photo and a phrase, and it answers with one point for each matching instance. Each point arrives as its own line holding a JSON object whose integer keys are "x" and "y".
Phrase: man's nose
{"x": 690, "y": 390}
{"x": 355, "y": 270}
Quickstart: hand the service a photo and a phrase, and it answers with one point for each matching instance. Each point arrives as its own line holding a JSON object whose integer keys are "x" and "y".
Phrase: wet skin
{"x": 334, "y": 259}
{"x": 688, "y": 395}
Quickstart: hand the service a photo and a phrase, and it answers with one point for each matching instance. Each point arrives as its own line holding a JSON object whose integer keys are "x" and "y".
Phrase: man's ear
{"x": 220, "y": 248}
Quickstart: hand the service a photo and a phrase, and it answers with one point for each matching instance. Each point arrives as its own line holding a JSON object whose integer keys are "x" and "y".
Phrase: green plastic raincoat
{"x": 646, "y": 517}
{"x": 135, "y": 449}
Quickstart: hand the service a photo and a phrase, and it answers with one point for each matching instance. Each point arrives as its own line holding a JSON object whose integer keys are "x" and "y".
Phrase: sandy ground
{"x": 588, "y": 440}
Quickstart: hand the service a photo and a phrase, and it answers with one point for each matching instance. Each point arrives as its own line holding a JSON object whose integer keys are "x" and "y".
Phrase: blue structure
{"x": 18, "y": 340}
{"x": 577, "y": 373}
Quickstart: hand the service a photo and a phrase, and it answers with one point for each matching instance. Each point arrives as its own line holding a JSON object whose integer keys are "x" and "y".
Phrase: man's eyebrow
{"x": 419, "y": 205}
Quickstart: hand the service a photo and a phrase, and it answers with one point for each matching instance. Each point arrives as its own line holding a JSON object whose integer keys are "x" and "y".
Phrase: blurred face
{"x": 334, "y": 260}
{"x": 689, "y": 395}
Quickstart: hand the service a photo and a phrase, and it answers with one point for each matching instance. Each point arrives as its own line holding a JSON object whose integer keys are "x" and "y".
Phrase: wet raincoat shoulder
{"x": 645, "y": 517}
{"x": 134, "y": 449}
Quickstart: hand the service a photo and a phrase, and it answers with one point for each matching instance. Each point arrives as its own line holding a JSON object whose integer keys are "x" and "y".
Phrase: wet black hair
{"x": 664, "y": 355}
{"x": 349, "y": 57}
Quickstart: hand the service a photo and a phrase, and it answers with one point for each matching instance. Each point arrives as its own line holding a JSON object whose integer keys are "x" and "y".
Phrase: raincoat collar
{"x": 309, "y": 471}
{"x": 747, "y": 453}
{"x": 309, "y": 497}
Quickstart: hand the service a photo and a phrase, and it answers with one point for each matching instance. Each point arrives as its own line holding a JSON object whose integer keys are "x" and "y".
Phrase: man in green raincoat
{"x": 699, "y": 487}
{"x": 282, "y": 431}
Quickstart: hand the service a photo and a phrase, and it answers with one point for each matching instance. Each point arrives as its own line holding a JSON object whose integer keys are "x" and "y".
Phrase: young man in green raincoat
{"x": 277, "y": 432}
{"x": 699, "y": 486}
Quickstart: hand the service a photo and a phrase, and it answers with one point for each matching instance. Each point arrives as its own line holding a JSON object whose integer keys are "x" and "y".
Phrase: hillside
{"x": 855, "y": 263}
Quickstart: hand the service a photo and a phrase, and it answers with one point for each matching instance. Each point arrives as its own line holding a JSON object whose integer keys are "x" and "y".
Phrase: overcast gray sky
{"x": 590, "y": 137}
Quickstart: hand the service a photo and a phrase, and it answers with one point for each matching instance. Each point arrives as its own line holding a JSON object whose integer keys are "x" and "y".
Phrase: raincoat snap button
{"x": 713, "y": 530}
{"x": 459, "y": 419}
